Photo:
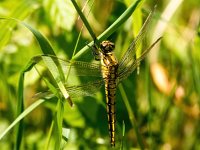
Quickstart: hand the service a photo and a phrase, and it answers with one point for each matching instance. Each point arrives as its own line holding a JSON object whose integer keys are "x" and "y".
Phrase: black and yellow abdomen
{"x": 109, "y": 66}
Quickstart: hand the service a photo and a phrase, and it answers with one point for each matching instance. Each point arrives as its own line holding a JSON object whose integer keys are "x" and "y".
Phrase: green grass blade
{"x": 79, "y": 35}
{"x": 137, "y": 25}
{"x": 131, "y": 116}
{"x": 55, "y": 69}
{"x": 20, "y": 109}
{"x": 123, "y": 134}
{"x": 43, "y": 42}
{"x": 119, "y": 21}
{"x": 149, "y": 97}
{"x": 21, "y": 10}
{"x": 21, "y": 116}
{"x": 58, "y": 123}
{"x": 49, "y": 135}
{"x": 87, "y": 25}
{"x": 112, "y": 28}
{"x": 58, "y": 74}
{"x": 20, "y": 104}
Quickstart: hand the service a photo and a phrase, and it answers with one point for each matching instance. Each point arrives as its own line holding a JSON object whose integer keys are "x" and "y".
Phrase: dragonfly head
{"x": 107, "y": 46}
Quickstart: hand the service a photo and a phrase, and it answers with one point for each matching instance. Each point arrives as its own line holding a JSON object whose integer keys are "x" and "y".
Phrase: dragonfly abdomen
{"x": 110, "y": 90}
{"x": 109, "y": 67}
{"x": 110, "y": 76}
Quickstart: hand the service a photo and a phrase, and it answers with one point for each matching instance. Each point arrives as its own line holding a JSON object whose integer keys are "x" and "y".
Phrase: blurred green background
{"x": 164, "y": 97}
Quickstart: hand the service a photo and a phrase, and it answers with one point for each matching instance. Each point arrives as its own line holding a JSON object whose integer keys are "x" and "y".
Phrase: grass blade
{"x": 58, "y": 123}
{"x": 123, "y": 134}
{"x": 112, "y": 28}
{"x": 59, "y": 76}
{"x": 43, "y": 42}
{"x": 21, "y": 116}
{"x": 20, "y": 105}
{"x": 23, "y": 9}
{"x": 87, "y": 25}
{"x": 131, "y": 116}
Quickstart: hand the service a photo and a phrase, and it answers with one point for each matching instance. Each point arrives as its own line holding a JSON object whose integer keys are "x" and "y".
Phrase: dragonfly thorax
{"x": 107, "y": 46}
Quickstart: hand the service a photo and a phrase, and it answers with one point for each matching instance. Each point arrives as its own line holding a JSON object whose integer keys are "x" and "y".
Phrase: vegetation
{"x": 158, "y": 106}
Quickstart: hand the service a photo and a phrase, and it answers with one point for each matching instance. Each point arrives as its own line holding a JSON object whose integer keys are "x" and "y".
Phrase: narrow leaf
{"x": 112, "y": 28}
{"x": 21, "y": 116}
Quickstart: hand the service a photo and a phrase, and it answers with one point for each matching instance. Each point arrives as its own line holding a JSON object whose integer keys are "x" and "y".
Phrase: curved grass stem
{"x": 131, "y": 116}
{"x": 111, "y": 29}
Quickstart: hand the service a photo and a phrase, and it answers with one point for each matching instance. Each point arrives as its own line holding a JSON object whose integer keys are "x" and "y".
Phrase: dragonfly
{"x": 109, "y": 72}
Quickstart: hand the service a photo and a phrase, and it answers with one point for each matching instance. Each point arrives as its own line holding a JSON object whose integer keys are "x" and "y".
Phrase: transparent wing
{"x": 130, "y": 68}
{"x": 88, "y": 89}
{"x": 130, "y": 53}
{"x": 77, "y": 68}
{"x": 129, "y": 59}
{"x": 66, "y": 72}
{"x": 128, "y": 62}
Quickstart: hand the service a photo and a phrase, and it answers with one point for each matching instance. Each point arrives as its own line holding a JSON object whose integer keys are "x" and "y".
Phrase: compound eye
{"x": 107, "y": 46}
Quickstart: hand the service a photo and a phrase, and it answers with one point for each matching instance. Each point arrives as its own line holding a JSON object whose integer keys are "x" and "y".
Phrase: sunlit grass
{"x": 157, "y": 114}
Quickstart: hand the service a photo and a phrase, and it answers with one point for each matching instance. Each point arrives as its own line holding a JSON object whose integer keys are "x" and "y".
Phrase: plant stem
{"x": 131, "y": 116}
